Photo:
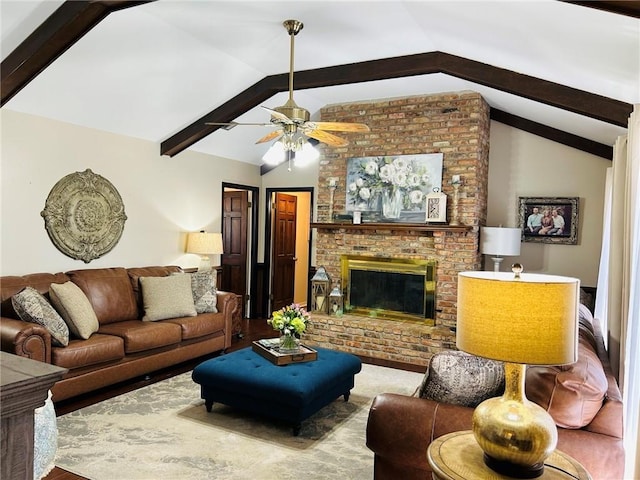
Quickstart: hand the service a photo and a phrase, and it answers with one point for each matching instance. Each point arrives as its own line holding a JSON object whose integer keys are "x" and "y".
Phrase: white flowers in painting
{"x": 374, "y": 175}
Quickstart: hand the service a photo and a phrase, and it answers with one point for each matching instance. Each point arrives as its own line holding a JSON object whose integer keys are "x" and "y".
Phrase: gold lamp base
{"x": 515, "y": 434}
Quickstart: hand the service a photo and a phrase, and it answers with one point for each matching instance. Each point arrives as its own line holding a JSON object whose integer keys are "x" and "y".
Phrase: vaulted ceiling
{"x": 159, "y": 70}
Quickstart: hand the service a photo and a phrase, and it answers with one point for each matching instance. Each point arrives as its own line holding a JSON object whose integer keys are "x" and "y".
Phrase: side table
{"x": 457, "y": 456}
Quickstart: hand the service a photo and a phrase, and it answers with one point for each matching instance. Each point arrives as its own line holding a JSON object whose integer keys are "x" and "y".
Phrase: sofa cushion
{"x": 31, "y": 306}
{"x": 109, "y": 291}
{"x": 459, "y": 378}
{"x": 203, "y": 324}
{"x": 84, "y": 353}
{"x": 572, "y": 394}
{"x": 74, "y": 307}
{"x": 167, "y": 297}
{"x": 139, "y": 336}
{"x": 203, "y": 287}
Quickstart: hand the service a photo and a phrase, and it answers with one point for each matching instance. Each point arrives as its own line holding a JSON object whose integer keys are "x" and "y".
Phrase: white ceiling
{"x": 150, "y": 70}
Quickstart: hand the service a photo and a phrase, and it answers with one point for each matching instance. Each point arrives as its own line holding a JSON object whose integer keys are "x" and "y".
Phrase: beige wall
{"x": 166, "y": 196}
{"x": 525, "y": 165}
{"x": 163, "y": 197}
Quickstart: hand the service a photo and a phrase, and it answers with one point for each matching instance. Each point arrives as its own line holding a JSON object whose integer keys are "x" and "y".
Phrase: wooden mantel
{"x": 399, "y": 227}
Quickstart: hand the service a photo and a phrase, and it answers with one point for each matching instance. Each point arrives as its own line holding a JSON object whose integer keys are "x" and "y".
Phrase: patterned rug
{"x": 164, "y": 432}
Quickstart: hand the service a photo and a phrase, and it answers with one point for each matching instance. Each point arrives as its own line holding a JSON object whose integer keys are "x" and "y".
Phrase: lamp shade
{"x": 501, "y": 241}
{"x": 204, "y": 243}
{"x": 532, "y": 319}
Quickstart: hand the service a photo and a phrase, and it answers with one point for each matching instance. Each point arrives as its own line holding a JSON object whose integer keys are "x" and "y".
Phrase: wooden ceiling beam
{"x": 68, "y": 24}
{"x": 628, "y": 8}
{"x": 580, "y": 143}
{"x": 578, "y": 101}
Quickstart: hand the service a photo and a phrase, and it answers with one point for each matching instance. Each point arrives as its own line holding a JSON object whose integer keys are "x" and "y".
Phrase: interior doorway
{"x": 240, "y": 242}
{"x": 288, "y": 245}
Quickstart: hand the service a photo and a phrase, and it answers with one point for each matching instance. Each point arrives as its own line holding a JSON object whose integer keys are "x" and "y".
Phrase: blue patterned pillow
{"x": 32, "y": 307}
{"x": 459, "y": 378}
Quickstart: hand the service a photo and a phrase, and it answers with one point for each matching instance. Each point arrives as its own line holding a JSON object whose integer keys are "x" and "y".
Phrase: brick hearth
{"x": 455, "y": 124}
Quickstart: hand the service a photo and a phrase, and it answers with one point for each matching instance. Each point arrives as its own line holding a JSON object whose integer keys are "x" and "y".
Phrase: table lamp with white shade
{"x": 520, "y": 319}
{"x": 204, "y": 244}
{"x": 500, "y": 242}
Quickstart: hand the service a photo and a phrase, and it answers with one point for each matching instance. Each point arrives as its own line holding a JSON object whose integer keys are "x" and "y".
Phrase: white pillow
{"x": 167, "y": 297}
{"x": 74, "y": 307}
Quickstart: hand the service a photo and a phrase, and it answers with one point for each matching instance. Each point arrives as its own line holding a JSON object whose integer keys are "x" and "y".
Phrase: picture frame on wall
{"x": 552, "y": 220}
{"x": 392, "y": 188}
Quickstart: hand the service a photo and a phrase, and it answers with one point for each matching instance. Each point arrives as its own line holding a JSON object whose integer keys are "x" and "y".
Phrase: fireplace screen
{"x": 394, "y": 288}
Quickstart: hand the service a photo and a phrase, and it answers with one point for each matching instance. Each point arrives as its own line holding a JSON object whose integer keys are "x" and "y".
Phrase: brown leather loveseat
{"x": 124, "y": 345}
{"x": 400, "y": 428}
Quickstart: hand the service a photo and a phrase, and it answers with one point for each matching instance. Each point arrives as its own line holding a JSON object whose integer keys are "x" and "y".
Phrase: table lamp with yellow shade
{"x": 519, "y": 319}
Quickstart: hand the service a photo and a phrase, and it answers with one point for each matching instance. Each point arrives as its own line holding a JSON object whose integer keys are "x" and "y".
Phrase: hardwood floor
{"x": 252, "y": 329}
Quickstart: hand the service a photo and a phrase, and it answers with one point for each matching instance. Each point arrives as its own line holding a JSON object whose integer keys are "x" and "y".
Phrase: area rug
{"x": 164, "y": 432}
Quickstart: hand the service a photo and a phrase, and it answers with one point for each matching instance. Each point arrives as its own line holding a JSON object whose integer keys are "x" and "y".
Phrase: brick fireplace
{"x": 455, "y": 124}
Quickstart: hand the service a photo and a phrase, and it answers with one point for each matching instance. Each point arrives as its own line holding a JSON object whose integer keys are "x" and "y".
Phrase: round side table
{"x": 457, "y": 456}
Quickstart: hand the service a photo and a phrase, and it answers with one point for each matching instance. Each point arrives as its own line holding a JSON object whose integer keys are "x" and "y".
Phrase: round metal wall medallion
{"x": 84, "y": 215}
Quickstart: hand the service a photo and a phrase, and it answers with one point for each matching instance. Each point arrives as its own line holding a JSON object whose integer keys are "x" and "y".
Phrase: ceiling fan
{"x": 293, "y": 121}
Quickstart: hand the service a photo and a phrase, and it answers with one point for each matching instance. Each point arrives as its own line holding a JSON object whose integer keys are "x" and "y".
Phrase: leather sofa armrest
{"x": 25, "y": 339}
{"x": 228, "y": 305}
{"x": 401, "y": 427}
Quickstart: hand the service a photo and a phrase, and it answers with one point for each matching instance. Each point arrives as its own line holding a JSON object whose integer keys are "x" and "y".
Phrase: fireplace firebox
{"x": 392, "y": 288}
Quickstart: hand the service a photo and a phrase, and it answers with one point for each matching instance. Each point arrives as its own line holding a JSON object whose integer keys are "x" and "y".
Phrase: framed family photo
{"x": 549, "y": 219}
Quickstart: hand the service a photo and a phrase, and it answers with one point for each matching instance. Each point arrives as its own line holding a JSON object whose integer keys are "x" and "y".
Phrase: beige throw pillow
{"x": 167, "y": 297}
{"x": 74, "y": 307}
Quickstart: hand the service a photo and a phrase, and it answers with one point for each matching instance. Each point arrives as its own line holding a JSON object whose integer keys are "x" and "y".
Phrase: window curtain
{"x": 618, "y": 295}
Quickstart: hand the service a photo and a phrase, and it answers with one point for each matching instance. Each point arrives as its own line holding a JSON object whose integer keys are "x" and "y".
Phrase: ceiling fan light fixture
{"x": 306, "y": 155}
{"x": 275, "y": 154}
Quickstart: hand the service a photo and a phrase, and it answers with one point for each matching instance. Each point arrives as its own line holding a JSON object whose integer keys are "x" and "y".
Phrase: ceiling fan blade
{"x": 280, "y": 116}
{"x": 339, "y": 126}
{"x": 270, "y": 136}
{"x": 326, "y": 137}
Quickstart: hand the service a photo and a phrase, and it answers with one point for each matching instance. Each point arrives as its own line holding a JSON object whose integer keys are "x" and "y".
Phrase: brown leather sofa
{"x": 400, "y": 428}
{"x": 124, "y": 347}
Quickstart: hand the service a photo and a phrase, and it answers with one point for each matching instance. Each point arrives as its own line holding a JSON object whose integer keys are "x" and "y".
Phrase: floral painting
{"x": 392, "y": 188}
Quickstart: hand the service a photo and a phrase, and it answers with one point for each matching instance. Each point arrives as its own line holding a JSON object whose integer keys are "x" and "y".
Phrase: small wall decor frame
{"x": 84, "y": 215}
{"x": 551, "y": 220}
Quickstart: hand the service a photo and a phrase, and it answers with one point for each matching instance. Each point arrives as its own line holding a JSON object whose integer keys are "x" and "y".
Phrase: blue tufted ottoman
{"x": 245, "y": 380}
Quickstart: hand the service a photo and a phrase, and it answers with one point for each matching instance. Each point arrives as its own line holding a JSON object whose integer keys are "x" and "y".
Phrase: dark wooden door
{"x": 284, "y": 250}
{"x": 234, "y": 238}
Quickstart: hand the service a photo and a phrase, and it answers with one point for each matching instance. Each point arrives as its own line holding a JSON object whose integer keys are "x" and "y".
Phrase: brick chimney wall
{"x": 455, "y": 124}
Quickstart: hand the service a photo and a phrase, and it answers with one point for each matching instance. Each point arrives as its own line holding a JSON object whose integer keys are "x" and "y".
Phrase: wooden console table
{"x": 24, "y": 386}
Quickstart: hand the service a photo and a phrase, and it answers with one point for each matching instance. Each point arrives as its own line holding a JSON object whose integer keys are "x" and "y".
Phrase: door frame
{"x": 268, "y": 232}
{"x": 253, "y": 239}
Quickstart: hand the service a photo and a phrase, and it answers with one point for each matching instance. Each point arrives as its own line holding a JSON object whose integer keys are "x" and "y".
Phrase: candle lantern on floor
{"x": 320, "y": 283}
{"x": 336, "y": 302}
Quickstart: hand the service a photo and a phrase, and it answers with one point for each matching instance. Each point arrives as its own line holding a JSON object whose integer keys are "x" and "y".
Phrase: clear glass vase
{"x": 289, "y": 343}
{"x": 391, "y": 203}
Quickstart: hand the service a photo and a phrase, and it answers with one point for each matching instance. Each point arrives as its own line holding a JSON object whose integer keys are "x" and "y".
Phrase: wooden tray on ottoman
{"x": 268, "y": 348}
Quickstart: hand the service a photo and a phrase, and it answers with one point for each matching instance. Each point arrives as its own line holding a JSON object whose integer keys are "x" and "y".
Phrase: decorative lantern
{"x": 320, "y": 283}
{"x": 336, "y": 302}
{"x": 436, "y": 206}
